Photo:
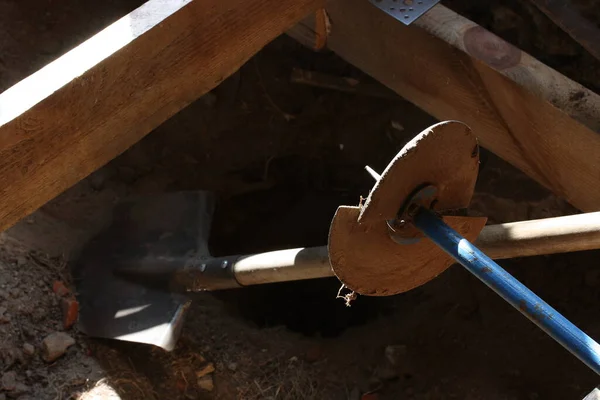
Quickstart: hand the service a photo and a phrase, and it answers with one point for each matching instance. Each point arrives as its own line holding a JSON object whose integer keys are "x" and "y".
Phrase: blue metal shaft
{"x": 510, "y": 289}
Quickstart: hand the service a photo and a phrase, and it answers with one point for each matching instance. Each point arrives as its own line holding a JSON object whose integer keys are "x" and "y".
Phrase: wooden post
{"x": 90, "y": 105}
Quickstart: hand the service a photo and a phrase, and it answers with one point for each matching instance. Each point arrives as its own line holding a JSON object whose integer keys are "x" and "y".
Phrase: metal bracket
{"x": 405, "y": 11}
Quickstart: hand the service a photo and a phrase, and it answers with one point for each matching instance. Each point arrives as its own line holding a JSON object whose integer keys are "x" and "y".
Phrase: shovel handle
{"x": 517, "y": 239}
{"x": 541, "y": 236}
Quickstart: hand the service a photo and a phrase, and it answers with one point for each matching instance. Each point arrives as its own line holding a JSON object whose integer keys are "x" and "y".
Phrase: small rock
{"x": 12, "y": 355}
{"x": 232, "y": 366}
{"x": 70, "y": 310}
{"x": 29, "y": 331}
{"x": 9, "y": 381}
{"x": 28, "y": 349}
{"x": 208, "y": 369}
{"x": 206, "y": 383}
{"x": 4, "y": 318}
{"x": 21, "y": 260}
{"x": 55, "y": 345}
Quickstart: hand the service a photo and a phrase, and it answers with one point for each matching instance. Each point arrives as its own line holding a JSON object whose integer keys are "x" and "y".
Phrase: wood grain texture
{"x": 445, "y": 155}
{"x": 564, "y": 14}
{"x": 312, "y": 31}
{"x": 516, "y": 124}
{"x": 93, "y": 103}
{"x": 543, "y": 236}
{"x": 576, "y": 100}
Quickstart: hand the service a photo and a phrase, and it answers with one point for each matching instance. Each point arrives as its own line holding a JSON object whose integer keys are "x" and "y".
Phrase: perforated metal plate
{"x": 405, "y": 11}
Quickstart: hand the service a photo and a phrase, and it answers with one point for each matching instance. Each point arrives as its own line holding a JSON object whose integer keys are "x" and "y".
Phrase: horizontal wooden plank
{"x": 79, "y": 112}
{"x": 511, "y": 120}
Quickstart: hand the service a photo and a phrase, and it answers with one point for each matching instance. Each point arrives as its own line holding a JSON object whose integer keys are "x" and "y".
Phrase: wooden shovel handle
{"x": 517, "y": 239}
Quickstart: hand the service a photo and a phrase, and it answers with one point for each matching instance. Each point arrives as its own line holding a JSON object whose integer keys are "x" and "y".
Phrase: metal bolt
{"x": 224, "y": 264}
{"x": 203, "y": 268}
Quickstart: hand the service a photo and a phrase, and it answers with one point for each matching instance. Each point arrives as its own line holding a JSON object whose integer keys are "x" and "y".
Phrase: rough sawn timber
{"x": 510, "y": 117}
{"x": 90, "y": 105}
{"x": 541, "y": 80}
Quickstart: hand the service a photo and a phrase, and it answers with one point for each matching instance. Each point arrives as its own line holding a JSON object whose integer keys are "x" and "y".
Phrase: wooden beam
{"x": 510, "y": 61}
{"x": 312, "y": 31}
{"x": 82, "y": 110}
{"x": 479, "y": 88}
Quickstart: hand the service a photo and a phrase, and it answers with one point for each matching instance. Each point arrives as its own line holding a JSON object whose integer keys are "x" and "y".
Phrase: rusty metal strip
{"x": 405, "y": 11}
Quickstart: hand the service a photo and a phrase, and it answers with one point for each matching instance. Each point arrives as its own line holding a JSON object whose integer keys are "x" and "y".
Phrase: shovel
{"x": 133, "y": 277}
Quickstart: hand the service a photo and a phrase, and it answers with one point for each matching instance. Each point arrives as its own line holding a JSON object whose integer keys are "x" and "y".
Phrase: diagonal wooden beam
{"x": 512, "y": 120}
{"x": 508, "y": 60}
{"x": 90, "y": 105}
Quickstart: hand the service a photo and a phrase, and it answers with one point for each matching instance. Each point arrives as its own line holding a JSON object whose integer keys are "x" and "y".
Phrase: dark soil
{"x": 281, "y": 158}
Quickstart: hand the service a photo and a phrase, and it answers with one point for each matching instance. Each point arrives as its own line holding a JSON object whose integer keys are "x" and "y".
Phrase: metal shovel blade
{"x": 172, "y": 226}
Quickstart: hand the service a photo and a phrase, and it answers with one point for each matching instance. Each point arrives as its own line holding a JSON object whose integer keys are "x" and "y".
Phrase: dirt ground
{"x": 282, "y": 157}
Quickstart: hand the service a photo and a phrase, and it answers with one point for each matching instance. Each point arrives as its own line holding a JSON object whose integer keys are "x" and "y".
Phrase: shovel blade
{"x": 172, "y": 225}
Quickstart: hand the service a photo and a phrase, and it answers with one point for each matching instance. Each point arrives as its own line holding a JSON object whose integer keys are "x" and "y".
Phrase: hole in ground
{"x": 295, "y": 214}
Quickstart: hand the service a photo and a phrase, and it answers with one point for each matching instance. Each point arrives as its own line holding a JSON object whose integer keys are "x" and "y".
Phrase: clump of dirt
{"x": 29, "y": 313}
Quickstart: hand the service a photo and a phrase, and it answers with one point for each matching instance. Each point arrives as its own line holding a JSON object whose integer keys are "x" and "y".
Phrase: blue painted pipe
{"x": 510, "y": 289}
